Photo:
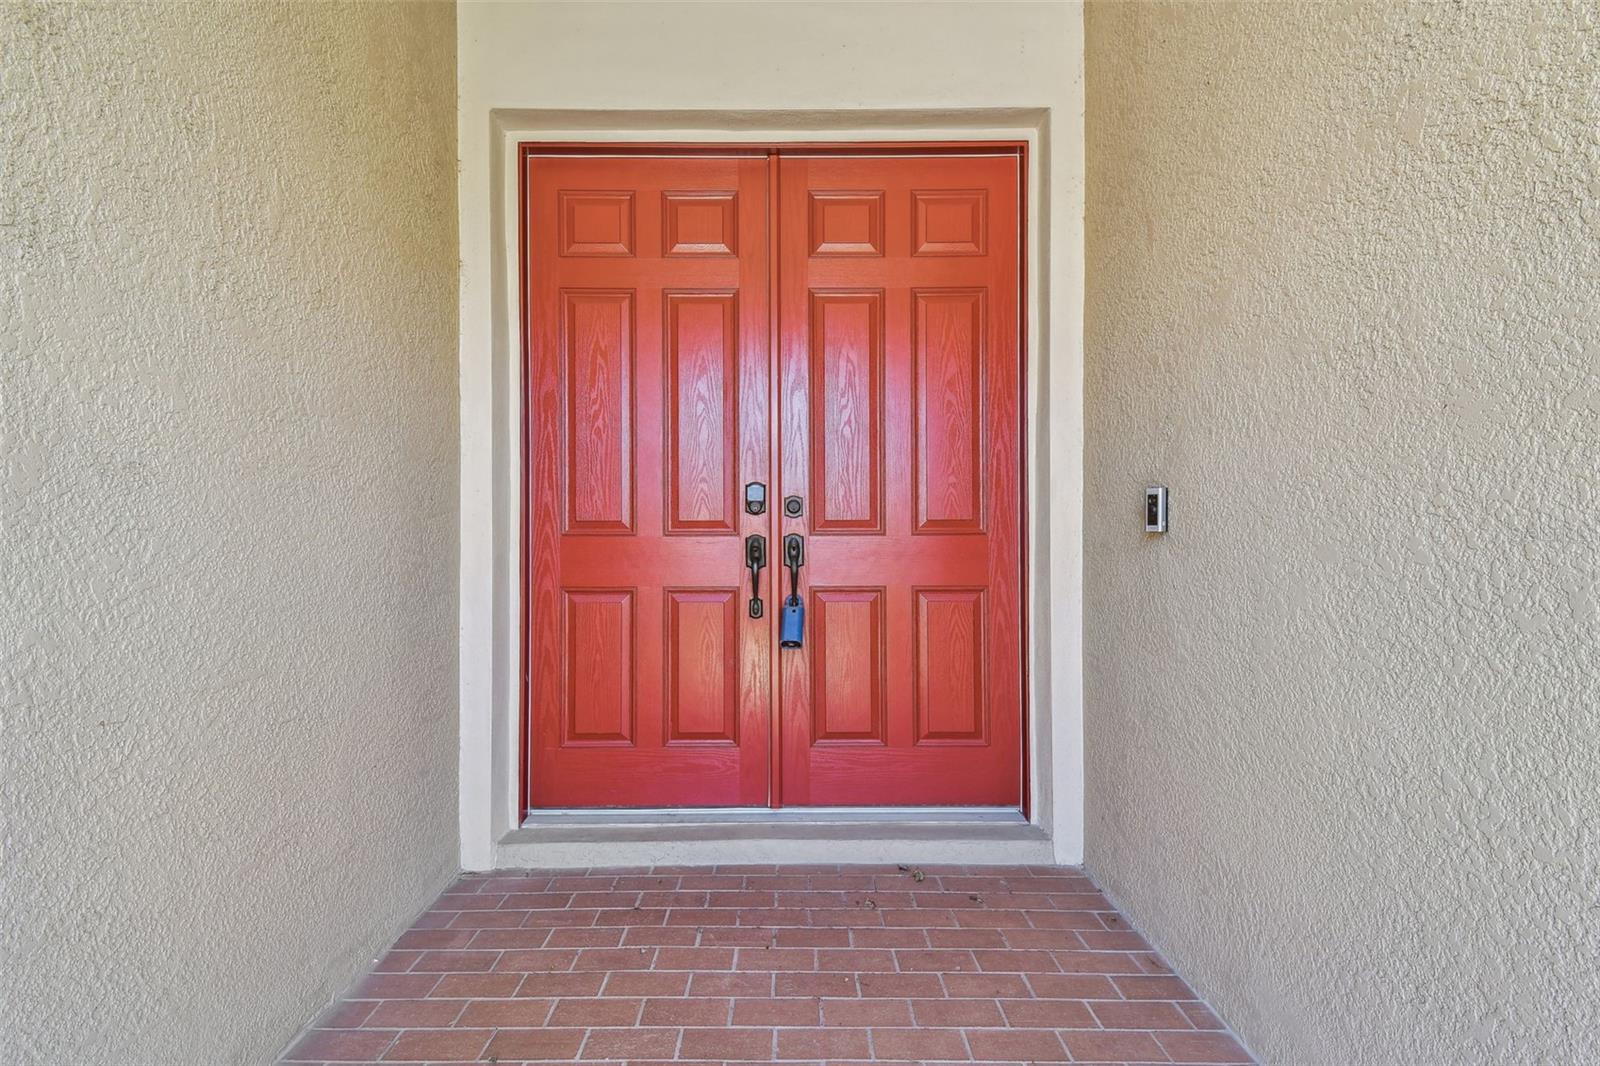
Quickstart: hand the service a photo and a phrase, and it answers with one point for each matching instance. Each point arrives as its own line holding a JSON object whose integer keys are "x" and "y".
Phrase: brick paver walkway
{"x": 837, "y": 964}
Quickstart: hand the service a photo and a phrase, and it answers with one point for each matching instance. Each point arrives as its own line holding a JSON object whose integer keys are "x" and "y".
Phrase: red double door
{"x": 830, "y": 334}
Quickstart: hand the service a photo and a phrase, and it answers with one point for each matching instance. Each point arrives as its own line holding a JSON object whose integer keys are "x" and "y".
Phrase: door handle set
{"x": 792, "y": 622}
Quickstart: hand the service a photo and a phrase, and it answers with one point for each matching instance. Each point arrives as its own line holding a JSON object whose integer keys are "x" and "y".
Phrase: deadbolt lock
{"x": 755, "y": 498}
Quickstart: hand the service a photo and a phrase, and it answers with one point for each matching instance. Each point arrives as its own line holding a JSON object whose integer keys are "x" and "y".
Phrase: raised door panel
{"x": 951, "y": 704}
{"x": 701, "y": 416}
{"x": 846, "y": 223}
{"x": 700, "y": 223}
{"x": 702, "y": 653}
{"x": 848, "y": 659}
{"x": 597, "y": 338}
{"x": 947, "y": 405}
{"x": 846, "y": 338}
{"x": 950, "y": 222}
{"x": 596, "y": 223}
{"x": 599, "y": 656}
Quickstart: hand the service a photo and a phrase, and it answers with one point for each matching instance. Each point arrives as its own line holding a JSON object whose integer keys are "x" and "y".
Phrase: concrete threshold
{"x": 962, "y": 836}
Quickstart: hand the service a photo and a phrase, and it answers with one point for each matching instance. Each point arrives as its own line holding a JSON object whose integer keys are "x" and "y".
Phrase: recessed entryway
{"x": 773, "y": 539}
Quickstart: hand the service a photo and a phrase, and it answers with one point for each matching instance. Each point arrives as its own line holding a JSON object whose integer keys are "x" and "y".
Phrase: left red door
{"x": 647, "y": 380}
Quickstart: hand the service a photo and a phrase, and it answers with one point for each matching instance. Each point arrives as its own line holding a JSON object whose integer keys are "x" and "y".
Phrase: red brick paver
{"x": 836, "y": 964}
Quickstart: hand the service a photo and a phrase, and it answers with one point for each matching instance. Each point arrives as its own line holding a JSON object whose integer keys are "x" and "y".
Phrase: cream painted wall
{"x": 1343, "y": 722}
{"x": 227, "y": 515}
{"x": 719, "y": 71}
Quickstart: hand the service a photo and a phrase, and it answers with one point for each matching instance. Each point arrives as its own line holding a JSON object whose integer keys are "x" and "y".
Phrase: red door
{"x": 647, "y": 369}
{"x": 899, "y": 391}
{"x": 892, "y": 403}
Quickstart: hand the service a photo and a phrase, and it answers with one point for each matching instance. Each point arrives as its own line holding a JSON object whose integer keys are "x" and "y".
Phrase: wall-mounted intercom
{"x": 1155, "y": 509}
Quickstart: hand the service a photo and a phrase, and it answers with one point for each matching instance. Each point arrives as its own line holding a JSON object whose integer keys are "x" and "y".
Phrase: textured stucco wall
{"x": 228, "y": 427}
{"x": 1343, "y": 722}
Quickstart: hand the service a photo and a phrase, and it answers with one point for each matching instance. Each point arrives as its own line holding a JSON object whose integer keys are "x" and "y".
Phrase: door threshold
{"x": 813, "y": 816}
{"x": 618, "y": 838}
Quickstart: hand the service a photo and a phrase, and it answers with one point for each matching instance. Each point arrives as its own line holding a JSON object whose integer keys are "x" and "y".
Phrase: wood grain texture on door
{"x": 898, "y": 397}
{"x": 647, "y": 409}
{"x": 839, "y": 327}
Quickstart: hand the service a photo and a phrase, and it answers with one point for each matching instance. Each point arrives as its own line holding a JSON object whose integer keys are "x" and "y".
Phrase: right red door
{"x": 898, "y": 396}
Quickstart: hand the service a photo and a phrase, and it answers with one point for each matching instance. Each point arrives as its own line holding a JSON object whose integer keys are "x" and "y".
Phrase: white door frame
{"x": 492, "y": 834}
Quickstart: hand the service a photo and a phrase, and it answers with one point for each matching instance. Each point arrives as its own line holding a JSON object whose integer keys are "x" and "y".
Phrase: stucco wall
{"x": 1343, "y": 722}
{"x": 823, "y": 71}
{"x": 228, "y": 536}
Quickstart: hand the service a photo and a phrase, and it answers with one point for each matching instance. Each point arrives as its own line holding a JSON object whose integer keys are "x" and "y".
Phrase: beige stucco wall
{"x": 1343, "y": 722}
{"x": 228, "y": 537}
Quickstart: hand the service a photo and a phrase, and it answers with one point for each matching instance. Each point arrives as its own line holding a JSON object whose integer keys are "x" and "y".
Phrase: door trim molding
{"x": 491, "y": 711}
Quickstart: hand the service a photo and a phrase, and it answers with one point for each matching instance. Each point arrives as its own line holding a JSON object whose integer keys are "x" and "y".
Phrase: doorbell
{"x": 1155, "y": 509}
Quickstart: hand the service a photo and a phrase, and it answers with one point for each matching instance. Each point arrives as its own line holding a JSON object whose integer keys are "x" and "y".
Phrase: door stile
{"x": 756, "y": 465}
{"x": 790, "y": 413}
{"x": 775, "y": 469}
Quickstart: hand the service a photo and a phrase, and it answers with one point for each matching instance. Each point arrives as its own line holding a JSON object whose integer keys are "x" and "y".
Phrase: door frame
{"x": 493, "y": 713}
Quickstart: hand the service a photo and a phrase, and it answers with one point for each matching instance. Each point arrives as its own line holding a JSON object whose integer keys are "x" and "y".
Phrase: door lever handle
{"x": 755, "y": 557}
{"x": 792, "y": 620}
{"x": 794, "y": 557}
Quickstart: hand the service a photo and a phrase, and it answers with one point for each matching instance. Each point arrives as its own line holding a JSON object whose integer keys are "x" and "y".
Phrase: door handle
{"x": 755, "y": 557}
{"x": 792, "y": 621}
